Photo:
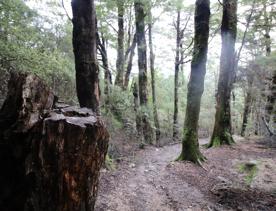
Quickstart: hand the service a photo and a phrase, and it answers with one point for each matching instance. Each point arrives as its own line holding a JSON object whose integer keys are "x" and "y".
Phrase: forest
{"x": 137, "y": 105}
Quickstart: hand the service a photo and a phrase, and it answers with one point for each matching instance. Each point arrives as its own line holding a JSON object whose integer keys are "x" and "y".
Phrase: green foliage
{"x": 250, "y": 170}
{"x": 26, "y": 44}
{"x": 109, "y": 163}
{"x": 121, "y": 104}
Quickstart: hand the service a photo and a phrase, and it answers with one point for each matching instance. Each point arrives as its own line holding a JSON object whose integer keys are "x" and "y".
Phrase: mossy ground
{"x": 250, "y": 171}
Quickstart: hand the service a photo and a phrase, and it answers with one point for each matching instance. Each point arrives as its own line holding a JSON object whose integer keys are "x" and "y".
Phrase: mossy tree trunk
{"x": 142, "y": 66}
{"x": 222, "y": 133}
{"x": 85, "y": 51}
{"x": 120, "y": 63}
{"x": 152, "y": 71}
{"x": 190, "y": 145}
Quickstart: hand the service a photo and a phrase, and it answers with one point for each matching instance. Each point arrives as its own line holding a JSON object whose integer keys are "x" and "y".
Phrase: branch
{"x": 220, "y": 3}
{"x": 185, "y": 27}
{"x": 245, "y": 33}
{"x": 267, "y": 127}
{"x": 62, "y": 3}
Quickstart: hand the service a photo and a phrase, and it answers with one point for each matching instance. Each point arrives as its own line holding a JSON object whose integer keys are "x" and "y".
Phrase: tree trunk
{"x": 222, "y": 133}
{"x": 247, "y": 105}
{"x": 85, "y": 44}
{"x": 136, "y": 109}
{"x": 50, "y": 158}
{"x": 142, "y": 65}
{"x": 130, "y": 61}
{"x": 270, "y": 104}
{"x": 120, "y": 63}
{"x": 102, "y": 43}
{"x": 270, "y": 98}
{"x": 176, "y": 78}
{"x": 152, "y": 70}
{"x": 190, "y": 145}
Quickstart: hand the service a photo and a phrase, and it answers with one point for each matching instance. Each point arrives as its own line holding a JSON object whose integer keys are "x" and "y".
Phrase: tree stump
{"x": 50, "y": 157}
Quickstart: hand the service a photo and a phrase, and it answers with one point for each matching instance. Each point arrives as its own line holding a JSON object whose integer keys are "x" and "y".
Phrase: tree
{"x": 247, "y": 101}
{"x": 102, "y": 45}
{"x": 222, "y": 133}
{"x": 85, "y": 44}
{"x": 190, "y": 145}
{"x": 152, "y": 71}
{"x": 130, "y": 61}
{"x": 120, "y": 63}
{"x": 179, "y": 36}
{"x": 142, "y": 66}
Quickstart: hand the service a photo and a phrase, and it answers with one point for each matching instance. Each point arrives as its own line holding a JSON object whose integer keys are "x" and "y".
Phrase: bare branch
{"x": 67, "y": 14}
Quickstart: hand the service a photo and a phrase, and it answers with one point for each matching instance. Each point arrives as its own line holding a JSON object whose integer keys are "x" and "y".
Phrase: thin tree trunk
{"x": 120, "y": 63}
{"x": 270, "y": 103}
{"x": 152, "y": 71}
{"x": 85, "y": 44}
{"x": 270, "y": 98}
{"x": 222, "y": 133}
{"x": 190, "y": 145}
{"x": 130, "y": 61}
{"x": 142, "y": 65}
{"x": 102, "y": 43}
{"x": 136, "y": 109}
{"x": 176, "y": 78}
{"x": 247, "y": 105}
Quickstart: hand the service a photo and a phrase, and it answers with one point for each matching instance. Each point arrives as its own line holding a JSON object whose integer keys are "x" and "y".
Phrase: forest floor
{"x": 238, "y": 177}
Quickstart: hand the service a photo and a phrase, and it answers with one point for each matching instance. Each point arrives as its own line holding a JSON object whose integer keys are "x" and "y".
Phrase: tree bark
{"x": 190, "y": 145}
{"x": 270, "y": 103}
{"x": 130, "y": 61}
{"x": 270, "y": 98}
{"x": 85, "y": 44}
{"x": 176, "y": 78}
{"x": 139, "y": 127}
{"x": 50, "y": 158}
{"x": 152, "y": 71}
{"x": 247, "y": 105}
{"x": 120, "y": 63}
{"x": 142, "y": 65}
{"x": 222, "y": 133}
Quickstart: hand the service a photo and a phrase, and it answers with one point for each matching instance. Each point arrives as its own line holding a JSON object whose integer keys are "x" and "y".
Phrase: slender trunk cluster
{"x": 102, "y": 45}
{"x": 190, "y": 145}
{"x": 85, "y": 44}
{"x": 222, "y": 133}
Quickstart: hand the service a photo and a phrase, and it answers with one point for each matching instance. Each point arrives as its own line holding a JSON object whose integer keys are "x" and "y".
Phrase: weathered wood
{"x": 69, "y": 148}
{"x": 26, "y": 101}
{"x": 50, "y": 158}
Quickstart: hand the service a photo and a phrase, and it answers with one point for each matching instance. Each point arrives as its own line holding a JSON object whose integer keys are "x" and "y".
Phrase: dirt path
{"x": 150, "y": 180}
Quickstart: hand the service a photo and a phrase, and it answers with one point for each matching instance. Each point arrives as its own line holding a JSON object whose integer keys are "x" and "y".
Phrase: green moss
{"x": 216, "y": 142}
{"x": 250, "y": 171}
{"x": 190, "y": 149}
{"x": 116, "y": 123}
{"x": 109, "y": 163}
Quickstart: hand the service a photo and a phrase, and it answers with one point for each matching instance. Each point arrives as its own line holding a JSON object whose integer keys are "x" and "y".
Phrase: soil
{"x": 149, "y": 179}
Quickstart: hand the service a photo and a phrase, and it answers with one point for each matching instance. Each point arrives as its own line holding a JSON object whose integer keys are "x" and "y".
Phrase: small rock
{"x": 132, "y": 165}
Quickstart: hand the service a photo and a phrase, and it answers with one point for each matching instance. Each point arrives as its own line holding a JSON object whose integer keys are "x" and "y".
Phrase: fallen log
{"x": 50, "y": 155}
